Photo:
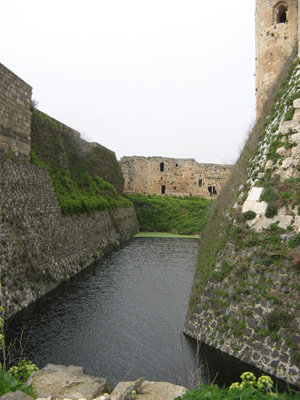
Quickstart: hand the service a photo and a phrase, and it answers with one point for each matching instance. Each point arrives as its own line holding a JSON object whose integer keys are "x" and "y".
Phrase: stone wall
{"x": 249, "y": 305}
{"x": 174, "y": 177}
{"x": 233, "y": 313}
{"x": 39, "y": 247}
{"x": 276, "y": 38}
{"x": 59, "y": 145}
{"x": 15, "y": 115}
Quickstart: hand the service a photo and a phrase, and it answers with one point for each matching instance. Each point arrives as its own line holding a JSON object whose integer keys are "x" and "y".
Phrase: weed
{"x": 294, "y": 241}
{"x": 271, "y": 211}
{"x": 249, "y": 215}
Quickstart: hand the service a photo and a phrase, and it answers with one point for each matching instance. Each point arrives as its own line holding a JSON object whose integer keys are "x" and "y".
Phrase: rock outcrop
{"x": 71, "y": 383}
{"x": 67, "y": 382}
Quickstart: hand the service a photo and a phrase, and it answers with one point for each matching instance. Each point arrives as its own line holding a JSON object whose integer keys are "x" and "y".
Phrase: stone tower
{"x": 276, "y": 38}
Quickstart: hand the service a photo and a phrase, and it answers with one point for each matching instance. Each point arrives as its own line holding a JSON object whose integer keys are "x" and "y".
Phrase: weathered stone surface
{"x": 254, "y": 194}
{"x": 296, "y": 103}
{"x": 256, "y": 206}
{"x": 178, "y": 177}
{"x": 36, "y": 237}
{"x": 289, "y": 126}
{"x": 151, "y": 391}
{"x": 67, "y": 382}
{"x": 275, "y": 42}
{"x": 15, "y": 396}
{"x": 15, "y": 115}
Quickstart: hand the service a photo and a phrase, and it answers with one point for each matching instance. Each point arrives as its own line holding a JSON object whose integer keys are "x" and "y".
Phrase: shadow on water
{"x": 121, "y": 317}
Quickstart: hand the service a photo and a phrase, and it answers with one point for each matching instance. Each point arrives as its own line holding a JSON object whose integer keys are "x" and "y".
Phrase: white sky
{"x": 171, "y": 78}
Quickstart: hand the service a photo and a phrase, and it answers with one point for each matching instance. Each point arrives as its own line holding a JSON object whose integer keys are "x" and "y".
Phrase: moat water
{"x": 121, "y": 318}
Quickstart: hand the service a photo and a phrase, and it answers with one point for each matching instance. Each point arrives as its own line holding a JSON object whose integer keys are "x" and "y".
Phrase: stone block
{"x": 295, "y": 138}
{"x": 254, "y": 194}
{"x": 283, "y": 151}
{"x": 18, "y": 395}
{"x": 269, "y": 165}
{"x": 296, "y": 103}
{"x": 289, "y": 126}
{"x": 68, "y": 382}
{"x": 256, "y": 206}
{"x": 151, "y": 390}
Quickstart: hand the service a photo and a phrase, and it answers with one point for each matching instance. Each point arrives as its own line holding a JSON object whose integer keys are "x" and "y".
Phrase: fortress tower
{"x": 276, "y": 38}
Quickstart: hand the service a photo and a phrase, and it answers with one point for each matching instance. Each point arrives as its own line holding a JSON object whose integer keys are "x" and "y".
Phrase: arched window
{"x": 162, "y": 167}
{"x": 280, "y": 13}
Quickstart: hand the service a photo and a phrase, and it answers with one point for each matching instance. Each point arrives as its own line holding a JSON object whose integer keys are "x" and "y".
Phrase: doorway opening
{"x": 212, "y": 190}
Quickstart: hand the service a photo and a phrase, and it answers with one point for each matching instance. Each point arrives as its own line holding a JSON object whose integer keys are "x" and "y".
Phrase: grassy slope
{"x": 165, "y": 235}
{"x": 267, "y": 251}
{"x": 171, "y": 214}
{"x": 222, "y": 212}
{"x": 85, "y": 176}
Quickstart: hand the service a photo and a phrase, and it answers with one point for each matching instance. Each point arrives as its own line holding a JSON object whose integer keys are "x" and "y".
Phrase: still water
{"x": 121, "y": 317}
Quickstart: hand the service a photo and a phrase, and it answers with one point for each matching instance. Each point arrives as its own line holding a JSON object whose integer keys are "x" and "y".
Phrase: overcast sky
{"x": 171, "y": 78}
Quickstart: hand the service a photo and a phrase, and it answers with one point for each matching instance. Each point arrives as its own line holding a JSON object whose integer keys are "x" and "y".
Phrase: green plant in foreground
{"x": 10, "y": 384}
{"x": 263, "y": 384}
{"x": 16, "y": 377}
{"x": 249, "y": 388}
{"x": 23, "y": 370}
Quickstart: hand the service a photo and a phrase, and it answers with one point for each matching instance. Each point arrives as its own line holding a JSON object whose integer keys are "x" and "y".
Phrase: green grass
{"x": 85, "y": 177}
{"x": 222, "y": 214}
{"x": 185, "y": 216}
{"x": 164, "y": 235}
{"x": 213, "y": 392}
{"x": 253, "y": 276}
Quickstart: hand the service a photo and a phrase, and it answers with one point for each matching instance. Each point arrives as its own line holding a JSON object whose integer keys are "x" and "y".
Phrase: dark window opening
{"x": 161, "y": 178}
{"x": 163, "y": 189}
{"x": 282, "y": 18}
{"x": 162, "y": 167}
{"x": 200, "y": 182}
{"x": 281, "y": 14}
{"x": 212, "y": 190}
{"x": 174, "y": 188}
{"x": 176, "y": 165}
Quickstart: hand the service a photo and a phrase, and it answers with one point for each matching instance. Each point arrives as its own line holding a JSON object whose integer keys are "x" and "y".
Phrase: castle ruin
{"x": 173, "y": 177}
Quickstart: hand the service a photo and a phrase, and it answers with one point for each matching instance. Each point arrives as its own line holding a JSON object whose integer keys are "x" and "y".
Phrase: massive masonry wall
{"x": 39, "y": 247}
{"x": 276, "y": 38}
{"x": 249, "y": 304}
{"x": 15, "y": 115}
{"x": 174, "y": 177}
